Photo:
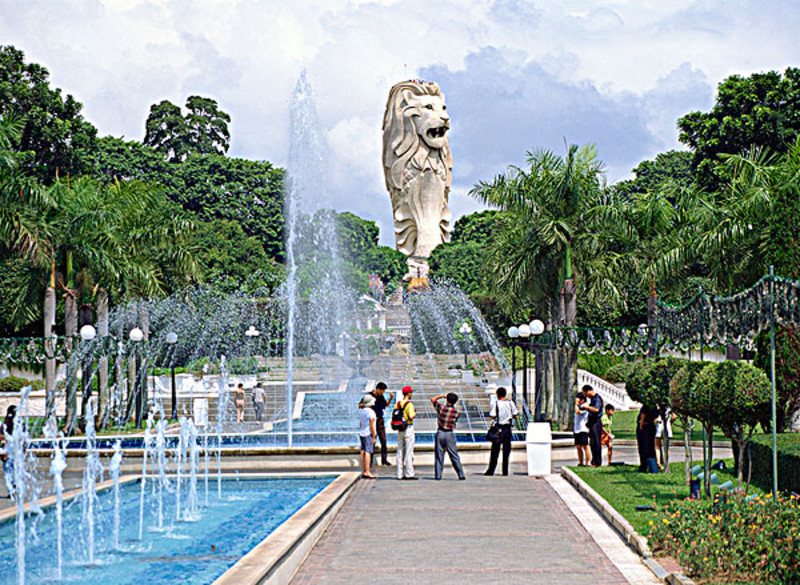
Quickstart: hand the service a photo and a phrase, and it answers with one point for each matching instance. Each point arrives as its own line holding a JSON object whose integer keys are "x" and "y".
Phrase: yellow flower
{"x": 651, "y": 522}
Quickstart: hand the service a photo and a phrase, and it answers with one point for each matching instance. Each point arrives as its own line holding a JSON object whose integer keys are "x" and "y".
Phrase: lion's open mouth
{"x": 437, "y": 132}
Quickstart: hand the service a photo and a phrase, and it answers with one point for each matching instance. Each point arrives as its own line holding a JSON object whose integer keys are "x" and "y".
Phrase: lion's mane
{"x": 400, "y": 138}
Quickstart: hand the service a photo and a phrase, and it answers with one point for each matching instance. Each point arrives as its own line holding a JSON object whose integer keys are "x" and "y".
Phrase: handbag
{"x": 494, "y": 432}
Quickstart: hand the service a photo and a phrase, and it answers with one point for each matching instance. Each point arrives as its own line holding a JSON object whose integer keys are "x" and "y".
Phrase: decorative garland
{"x": 738, "y": 319}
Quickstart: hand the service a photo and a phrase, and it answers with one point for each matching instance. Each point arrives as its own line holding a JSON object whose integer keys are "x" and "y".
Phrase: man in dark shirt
{"x": 594, "y": 406}
{"x": 445, "y": 435}
{"x": 381, "y": 402}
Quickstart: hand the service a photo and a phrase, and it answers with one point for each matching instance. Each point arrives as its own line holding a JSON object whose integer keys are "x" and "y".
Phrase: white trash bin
{"x": 538, "y": 443}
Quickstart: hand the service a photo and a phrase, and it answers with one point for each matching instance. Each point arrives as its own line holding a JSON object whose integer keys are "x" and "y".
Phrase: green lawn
{"x": 625, "y": 488}
{"x": 625, "y": 427}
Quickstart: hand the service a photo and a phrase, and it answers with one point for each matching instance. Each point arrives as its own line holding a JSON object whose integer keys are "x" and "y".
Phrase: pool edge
{"x": 275, "y": 559}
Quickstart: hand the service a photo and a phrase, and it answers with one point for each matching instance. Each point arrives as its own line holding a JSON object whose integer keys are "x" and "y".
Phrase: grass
{"x": 625, "y": 427}
{"x": 625, "y": 488}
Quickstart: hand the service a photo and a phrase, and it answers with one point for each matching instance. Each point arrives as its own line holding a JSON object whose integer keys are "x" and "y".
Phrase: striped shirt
{"x": 448, "y": 415}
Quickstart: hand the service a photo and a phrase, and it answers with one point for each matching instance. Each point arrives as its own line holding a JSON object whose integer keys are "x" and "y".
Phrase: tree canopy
{"x": 761, "y": 110}
{"x": 203, "y": 130}
{"x": 54, "y": 133}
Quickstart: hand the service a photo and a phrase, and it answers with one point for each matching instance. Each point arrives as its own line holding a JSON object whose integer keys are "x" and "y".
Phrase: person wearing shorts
{"x": 367, "y": 434}
{"x": 606, "y": 437}
{"x": 581, "y": 431}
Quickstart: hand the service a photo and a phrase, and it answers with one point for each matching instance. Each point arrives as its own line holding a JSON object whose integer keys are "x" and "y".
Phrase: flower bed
{"x": 734, "y": 539}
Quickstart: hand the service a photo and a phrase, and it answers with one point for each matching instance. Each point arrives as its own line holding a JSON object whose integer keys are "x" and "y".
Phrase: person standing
{"x": 381, "y": 402}
{"x": 645, "y": 439}
{"x": 405, "y": 438}
{"x": 6, "y": 432}
{"x": 607, "y": 437}
{"x": 581, "y": 431}
{"x": 502, "y": 414}
{"x": 594, "y": 407}
{"x": 367, "y": 434}
{"x": 238, "y": 400}
{"x": 445, "y": 435}
{"x": 259, "y": 400}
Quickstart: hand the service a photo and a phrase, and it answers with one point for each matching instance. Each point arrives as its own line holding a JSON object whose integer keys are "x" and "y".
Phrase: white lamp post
{"x": 465, "y": 331}
{"x": 136, "y": 335}
{"x": 172, "y": 338}
{"x": 87, "y": 333}
{"x": 537, "y": 328}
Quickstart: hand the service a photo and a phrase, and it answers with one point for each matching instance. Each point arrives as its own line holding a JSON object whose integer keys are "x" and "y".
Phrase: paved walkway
{"x": 498, "y": 529}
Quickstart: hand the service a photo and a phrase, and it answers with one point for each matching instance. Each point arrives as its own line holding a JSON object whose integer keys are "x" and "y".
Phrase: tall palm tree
{"x": 551, "y": 237}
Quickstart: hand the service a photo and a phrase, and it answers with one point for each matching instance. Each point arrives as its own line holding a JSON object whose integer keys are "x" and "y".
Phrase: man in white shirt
{"x": 503, "y": 413}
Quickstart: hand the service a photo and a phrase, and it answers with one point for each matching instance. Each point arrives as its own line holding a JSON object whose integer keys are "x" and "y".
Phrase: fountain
{"x": 319, "y": 351}
{"x": 116, "y": 463}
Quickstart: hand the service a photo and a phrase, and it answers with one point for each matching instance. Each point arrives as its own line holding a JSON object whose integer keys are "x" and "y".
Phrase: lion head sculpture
{"x": 417, "y": 166}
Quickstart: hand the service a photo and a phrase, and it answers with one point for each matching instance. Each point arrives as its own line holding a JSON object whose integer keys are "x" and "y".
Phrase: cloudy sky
{"x": 518, "y": 75}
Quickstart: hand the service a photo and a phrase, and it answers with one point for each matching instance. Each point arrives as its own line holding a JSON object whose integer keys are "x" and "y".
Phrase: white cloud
{"x": 517, "y": 74}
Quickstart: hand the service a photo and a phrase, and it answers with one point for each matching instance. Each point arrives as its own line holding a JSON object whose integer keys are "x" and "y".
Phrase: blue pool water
{"x": 195, "y": 552}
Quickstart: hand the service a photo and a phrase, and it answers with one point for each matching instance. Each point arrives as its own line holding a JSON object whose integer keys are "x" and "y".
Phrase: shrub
{"x": 246, "y": 365}
{"x": 734, "y": 538}
{"x": 15, "y": 384}
{"x": 788, "y": 461}
{"x": 787, "y": 371}
{"x": 599, "y": 364}
{"x": 619, "y": 372}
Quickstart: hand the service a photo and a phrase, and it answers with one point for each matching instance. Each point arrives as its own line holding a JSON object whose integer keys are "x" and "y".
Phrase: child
{"x": 367, "y": 434}
{"x": 581, "y": 431}
{"x": 606, "y": 437}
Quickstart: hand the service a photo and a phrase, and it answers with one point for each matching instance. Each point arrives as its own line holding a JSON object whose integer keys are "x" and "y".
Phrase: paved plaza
{"x": 514, "y": 529}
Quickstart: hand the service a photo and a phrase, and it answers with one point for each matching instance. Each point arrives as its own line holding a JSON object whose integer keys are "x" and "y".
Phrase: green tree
{"x": 211, "y": 186}
{"x": 207, "y": 126}
{"x": 761, "y": 110}
{"x": 203, "y": 130}
{"x": 650, "y": 385}
{"x": 549, "y": 237}
{"x": 166, "y": 131}
{"x": 231, "y": 260}
{"x": 682, "y": 385}
{"x": 54, "y": 133}
{"x": 671, "y": 168}
{"x": 787, "y": 371}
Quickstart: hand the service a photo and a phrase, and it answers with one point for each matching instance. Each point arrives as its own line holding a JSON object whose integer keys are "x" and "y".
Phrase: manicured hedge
{"x": 788, "y": 461}
{"x": 15, "y": 384}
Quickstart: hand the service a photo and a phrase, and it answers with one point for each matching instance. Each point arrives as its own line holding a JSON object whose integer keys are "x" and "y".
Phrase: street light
{"x": 465, "y": 331}
{"x": 524, "y": 333}
{"x": 4, "y": 373}
{"x": 513, "y": 333}
{"x": 537, "y": 328}
{"x": 136, "y": 335}
{"x": 172, "y": 339}
{"x": 87, "y": 333}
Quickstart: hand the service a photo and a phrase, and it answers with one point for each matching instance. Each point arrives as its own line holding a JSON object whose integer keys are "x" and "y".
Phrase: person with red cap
{"x": 405, "y": 438}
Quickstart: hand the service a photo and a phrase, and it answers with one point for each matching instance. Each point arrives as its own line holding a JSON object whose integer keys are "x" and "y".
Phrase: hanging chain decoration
{"x": 616, "y": 340}
{"x": 738, "y": 319}
{"x": 36, "y": 350}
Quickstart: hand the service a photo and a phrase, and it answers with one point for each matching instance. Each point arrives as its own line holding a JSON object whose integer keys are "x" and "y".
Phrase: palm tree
{"x": 552, "y": 235}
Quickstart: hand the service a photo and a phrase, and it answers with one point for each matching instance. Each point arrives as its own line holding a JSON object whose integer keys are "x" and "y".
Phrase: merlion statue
{"x": 418, "y": 167}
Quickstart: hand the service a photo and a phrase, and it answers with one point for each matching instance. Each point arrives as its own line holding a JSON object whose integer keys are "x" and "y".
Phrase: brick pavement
{"x": 512, "y": 529}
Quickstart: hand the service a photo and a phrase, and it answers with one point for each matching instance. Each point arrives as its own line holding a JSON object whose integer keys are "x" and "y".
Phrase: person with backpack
{"x": 403, "y": 417}
{"x": 445, "y": 435}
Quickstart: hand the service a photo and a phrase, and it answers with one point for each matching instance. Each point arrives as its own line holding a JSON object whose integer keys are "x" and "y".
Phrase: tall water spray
{"x": 57, "y": 466}
{"x": 311, "y": 244}
{"x": 93, "y": 469}
{"x": 18, "y": 441}
{"x": 116, "y": 464}
{"x": 148, "y": 447}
